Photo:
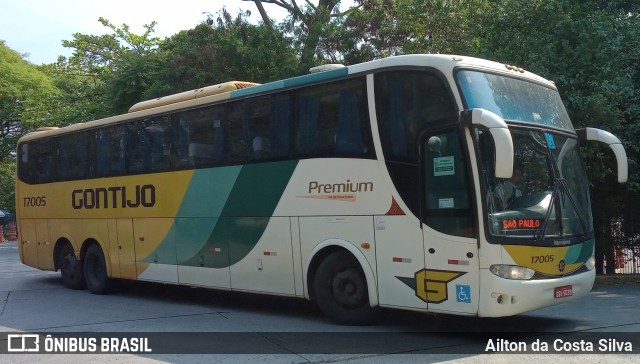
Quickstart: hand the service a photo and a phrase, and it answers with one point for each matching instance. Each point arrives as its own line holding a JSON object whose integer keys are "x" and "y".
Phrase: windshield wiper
{"x": 540, "y": 233}
{"x": 560, "y": 190}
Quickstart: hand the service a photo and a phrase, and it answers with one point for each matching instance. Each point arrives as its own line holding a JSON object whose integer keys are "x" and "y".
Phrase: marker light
{"x": 590, "y": 263}
{"x": 512, "y": 271}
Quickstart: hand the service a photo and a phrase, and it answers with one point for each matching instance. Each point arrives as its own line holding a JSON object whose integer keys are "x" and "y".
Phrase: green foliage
{"x": 24, "y": 91}
{"x": 104, "y": 71}
{"x": 7, "y": 186}
{"x": 137, "y": 78}
{"x": 98, "y": 55}
{"x": 227, "y": 50}
{"x": 381, "y": 28}
{"x": 24, "y": 94}
{"x": 309, "y": 26}
{"x": 81, "y": 97}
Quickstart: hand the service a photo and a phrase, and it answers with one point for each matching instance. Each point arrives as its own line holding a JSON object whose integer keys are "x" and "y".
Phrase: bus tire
{"x": 95, "y": 270}
{"x": 71, "y": 268}
{"x": 341, "y": 292}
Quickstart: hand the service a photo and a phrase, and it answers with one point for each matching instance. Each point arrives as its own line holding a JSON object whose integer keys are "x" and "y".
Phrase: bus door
{"x": 450, "y": 280}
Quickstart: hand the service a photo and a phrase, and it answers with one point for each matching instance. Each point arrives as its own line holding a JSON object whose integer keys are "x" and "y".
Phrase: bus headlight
{"x": 590, "y": 263}
{"x": 512, "y": 271}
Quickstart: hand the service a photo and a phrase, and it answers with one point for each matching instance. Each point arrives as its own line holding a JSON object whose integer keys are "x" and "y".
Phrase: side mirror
{"x": 501, "y": 138}
{"x": 614, "y": 143}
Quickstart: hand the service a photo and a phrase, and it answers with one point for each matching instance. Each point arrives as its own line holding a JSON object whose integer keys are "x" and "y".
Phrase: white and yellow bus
{"x": 423, "y": 182}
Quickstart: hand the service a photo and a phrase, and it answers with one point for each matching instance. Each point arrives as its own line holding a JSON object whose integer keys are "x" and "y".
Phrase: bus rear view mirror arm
{"x": 501, "y": 138}
{"x": 614, "y": 143}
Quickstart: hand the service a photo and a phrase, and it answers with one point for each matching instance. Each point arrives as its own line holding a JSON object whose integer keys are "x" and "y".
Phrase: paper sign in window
{"x": 443, "y": 166}
{"x": 445, "y": 203}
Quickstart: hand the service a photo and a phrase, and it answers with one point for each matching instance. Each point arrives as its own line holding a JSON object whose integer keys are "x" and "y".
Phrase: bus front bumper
{"x": 506, "y": 297}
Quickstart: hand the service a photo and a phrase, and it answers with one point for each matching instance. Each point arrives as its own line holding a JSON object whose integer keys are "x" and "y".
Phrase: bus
{"x": 435, "y": 183}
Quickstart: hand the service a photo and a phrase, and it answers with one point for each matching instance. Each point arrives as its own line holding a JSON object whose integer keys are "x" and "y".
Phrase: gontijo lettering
{"x": 114, "y": 197}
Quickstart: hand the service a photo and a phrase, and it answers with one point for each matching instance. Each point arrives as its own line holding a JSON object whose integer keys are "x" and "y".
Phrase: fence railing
{"x": 627, "y": 260}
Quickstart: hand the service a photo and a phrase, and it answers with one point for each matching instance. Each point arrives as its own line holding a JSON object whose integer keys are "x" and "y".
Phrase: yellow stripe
{"x": 545, "y": 260}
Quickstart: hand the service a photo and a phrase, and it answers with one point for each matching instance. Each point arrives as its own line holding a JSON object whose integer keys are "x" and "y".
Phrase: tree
{"x": 308, "y": 24}
{"x": 105, "y": 68}
{"x": 98, "y": 55}
{"x": 223, "y": 49}
{"x": 24, "y": 92}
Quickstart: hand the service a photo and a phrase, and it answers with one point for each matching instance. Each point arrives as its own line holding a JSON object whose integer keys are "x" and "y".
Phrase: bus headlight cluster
{"x": 512, "y": 271}
{"x": 590, "y": 263}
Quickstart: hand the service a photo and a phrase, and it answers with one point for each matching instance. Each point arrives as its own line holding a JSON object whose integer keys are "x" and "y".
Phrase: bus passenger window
{"x": 238, "y": 145}
{"x": 159, "y": 138}
{"x": 266, "y": 127}
{"x": 333, "y": 120}
{"x": 198, "y": 138}
{"x": 73, "y": 157}
{"x": 348, "y": 137}
{"x": 407, "y": 102}
{"x": 41, "y": 162}
{"x": 138, "y": 148}
{"x": 110, "y": 144}
{"x": 307, "y": 124}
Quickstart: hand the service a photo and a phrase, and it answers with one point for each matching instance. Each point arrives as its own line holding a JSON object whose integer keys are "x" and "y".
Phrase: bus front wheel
{"x": 341, "y": 292}
{"x": 70, "y": 268}
{"x": 95, "y": 270}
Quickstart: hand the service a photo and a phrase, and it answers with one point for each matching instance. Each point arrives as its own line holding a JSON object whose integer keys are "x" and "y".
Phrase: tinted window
{"x": 447, "y": 196}
{"x": 238, "y": 145}
{"x": 258, "y": 129}
{"x": 73, "y": 156}
{"x": 333, "y": 120}
{"x": 198, "y": 138}
{"x": 110, "y": 151}
{"x": 407, "y": 102}
{"x": 36, "y": 162}
{"x": 266, "y": 126}
{"x": 330, "y": 120}
{"x": 147, "y": 145}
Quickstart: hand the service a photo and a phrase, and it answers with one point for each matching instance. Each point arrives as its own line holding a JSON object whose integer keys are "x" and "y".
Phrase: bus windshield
{"x": 547, "y": 198}
{"x": 514, "y": 99}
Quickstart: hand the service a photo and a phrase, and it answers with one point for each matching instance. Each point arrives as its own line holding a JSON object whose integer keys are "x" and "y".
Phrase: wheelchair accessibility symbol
{"x": 463, "y": 293}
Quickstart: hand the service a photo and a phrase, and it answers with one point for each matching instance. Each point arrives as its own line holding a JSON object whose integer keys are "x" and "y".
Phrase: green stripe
{"x": 580, "y": 253}
{"x": 291, "y": 82}
{"x": 223, "y": 214}
{"x": 257, "y": 89}
{"x": 246, "y": 214}
{"x": 201, "y": 206}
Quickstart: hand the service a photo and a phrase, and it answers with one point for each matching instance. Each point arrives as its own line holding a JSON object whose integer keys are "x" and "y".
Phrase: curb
{"x": 617, "y": 279}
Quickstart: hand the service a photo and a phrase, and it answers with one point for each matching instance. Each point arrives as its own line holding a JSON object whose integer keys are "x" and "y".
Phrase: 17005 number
{"x": 542, "y": 259}
{"x": 35, "y": 201}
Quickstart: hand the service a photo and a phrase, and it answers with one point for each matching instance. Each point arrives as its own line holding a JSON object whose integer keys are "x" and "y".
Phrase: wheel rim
{"x": 348, "y": 288}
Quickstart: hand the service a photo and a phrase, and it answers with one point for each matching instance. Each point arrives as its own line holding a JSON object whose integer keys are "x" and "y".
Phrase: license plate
{"x": 564, "y": 291}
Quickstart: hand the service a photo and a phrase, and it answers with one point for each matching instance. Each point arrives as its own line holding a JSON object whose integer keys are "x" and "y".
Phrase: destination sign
{"x": 511, "y": 224}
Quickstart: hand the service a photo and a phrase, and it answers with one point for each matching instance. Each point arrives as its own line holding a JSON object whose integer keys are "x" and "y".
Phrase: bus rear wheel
{"x": 341, "y": 291}
{"x": 95, "y": 270}
{"x": 70, "y": 268}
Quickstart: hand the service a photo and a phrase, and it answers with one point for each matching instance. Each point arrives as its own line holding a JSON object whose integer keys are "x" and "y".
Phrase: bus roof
{"x": 237, "y": 89}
